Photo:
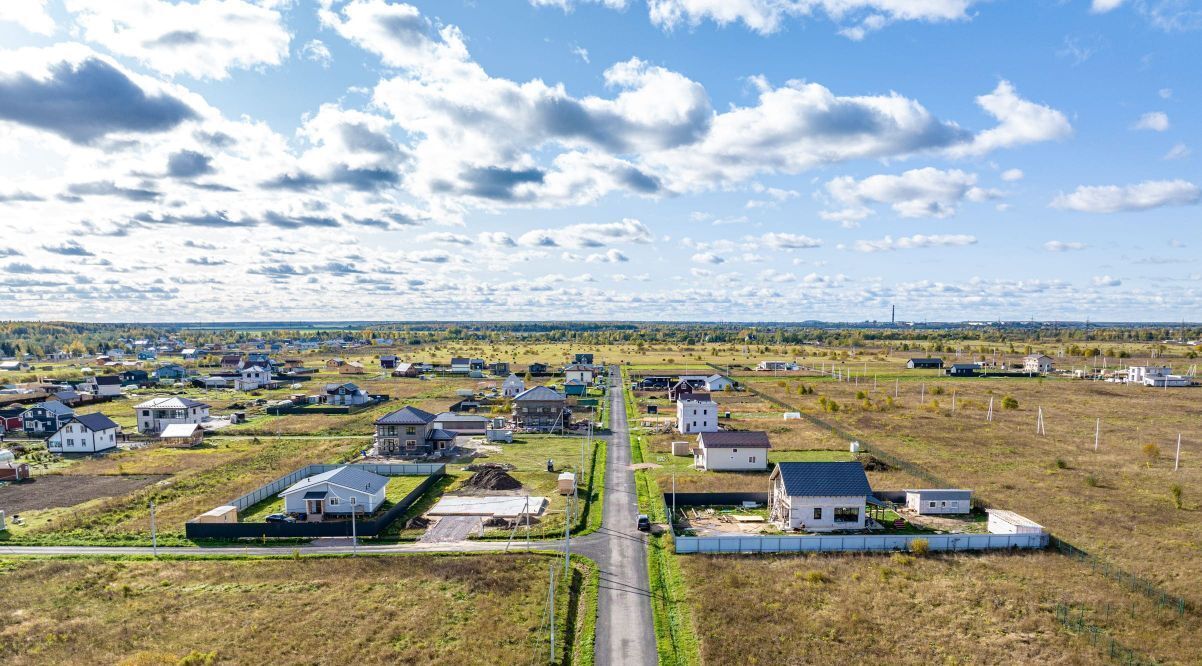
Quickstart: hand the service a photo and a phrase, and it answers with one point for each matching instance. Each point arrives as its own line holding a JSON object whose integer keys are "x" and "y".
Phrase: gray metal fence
{"x": 272, "y": 489}
{"x": 856, "y": 543}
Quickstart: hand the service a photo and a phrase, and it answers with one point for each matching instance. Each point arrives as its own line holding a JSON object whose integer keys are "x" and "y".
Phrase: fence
{"x": 277, "y": 410}
{"x": 856, "y": 543}
{"x": 365, "y": 528}
{"x": 1136, "y": 583}
{"x": 1097, "y": 637}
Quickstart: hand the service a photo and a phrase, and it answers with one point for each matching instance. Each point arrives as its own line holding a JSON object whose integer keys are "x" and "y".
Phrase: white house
{"x": 696, "y": 414}
{"x": 732, "y": 451}
{"x": 252, "y": 377}
{"x": 336, "y": 492}
{"x": 775, "y": 366}
{"x": 715, "y": 383}
{"x": 512, "y": 386}
{"x": 157, "y": 413}
{"x": 819, "y": 496}
{"x": 1167, "y": 381}
{"x": 1137, "y": 373}
{"x": 1037, "y": 363}
{"x": 105, "y": 386}
{"x": 1008, "y": 522}
{"x": 580, "y": 373}
{"x": 345, "y": 394}
{"x": 933, "y": 501}
{"x": 87, "y": 433}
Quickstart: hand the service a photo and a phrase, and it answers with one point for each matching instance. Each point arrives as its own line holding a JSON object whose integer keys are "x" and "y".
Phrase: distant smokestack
{"x": 893, "y": 316}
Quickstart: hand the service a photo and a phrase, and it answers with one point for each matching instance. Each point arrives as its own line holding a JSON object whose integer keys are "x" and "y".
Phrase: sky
{"x": 663, "y": 160}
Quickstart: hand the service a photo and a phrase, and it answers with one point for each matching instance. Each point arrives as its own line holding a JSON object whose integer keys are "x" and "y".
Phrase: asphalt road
{"x": 625, "y": 633}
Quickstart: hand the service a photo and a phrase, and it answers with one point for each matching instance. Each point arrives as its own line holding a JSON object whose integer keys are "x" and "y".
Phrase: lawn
{"x": 477, "y": 609}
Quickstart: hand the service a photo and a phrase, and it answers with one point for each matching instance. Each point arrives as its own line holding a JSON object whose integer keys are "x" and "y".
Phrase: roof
{"x": 438, "y": 434}
{"x": 330, "y": 388}
{"x": 578, "y": 367}
{"x": 693, "y": 378}
{"x": 823, "y": 479}
{"x": 96, "y": 421}
{"x": 315, "y": 495}
{"x": 408, "y": 415}
{"x": 941, "y": 493}
{"x": 455, "y": 360}
{"x": 352, "y": 478}
{"x": 1034, "y": 356}
{"x": 452, "y": 416}
{"x": 965, "y": 366}
{"x": 108, "y": 380}
{"x": 1012, "y": 518}
{"x": 697, "y": 396}
{"x": 575, "y": 382}
{"x": 174, "y": 430}
{"x": 55, "y": 407}
{"x": 926, "y": 360}
{"x": 514, "y": 379}
{"x": 388, "y": 358}
{"x": 538, "y": 393}
{"x": 725, "y": 439}
{"x": 714, "y": 378}
{"x": 172, "y": 402}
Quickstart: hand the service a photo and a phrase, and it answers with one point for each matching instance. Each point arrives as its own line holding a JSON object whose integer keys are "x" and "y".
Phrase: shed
{"x": 182, "y": 434}
{"x": 567, "y": 483}
{"x": 936, "y": 501}
{"x": 222, "y": 514}
{"x": 13, "y": 471}
{"x": 1008, "y": 522}
{"x": 925, "y": 363}
{"x": 681, "y": 449}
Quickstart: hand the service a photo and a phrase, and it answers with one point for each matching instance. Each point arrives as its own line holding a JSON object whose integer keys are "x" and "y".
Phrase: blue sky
{"x": 607, "y": 159}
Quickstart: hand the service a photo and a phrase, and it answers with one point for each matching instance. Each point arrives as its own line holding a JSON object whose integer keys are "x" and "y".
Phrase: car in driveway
{"x": 279, "y": 518}
{"x": 644, "y": 523}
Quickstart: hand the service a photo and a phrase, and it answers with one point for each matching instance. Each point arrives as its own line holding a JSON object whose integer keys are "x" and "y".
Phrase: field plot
{"x": 1119, "y": 502}
{"x": 901, "y": 609}
{"x": 373, "y": 610}
{"x": 54, "y": 491}
{"x": 192, "y": 481}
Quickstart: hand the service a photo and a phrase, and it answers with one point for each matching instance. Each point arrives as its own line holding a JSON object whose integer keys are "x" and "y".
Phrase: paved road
{"x": 625, "y": 633}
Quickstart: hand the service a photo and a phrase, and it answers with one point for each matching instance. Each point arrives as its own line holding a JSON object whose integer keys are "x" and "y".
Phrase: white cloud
{"x": 785, "y": 241}
{"x": 1179, "y": 151}
{"x": 1063, "y": 246}
{"x": 926, "y": 192}
{"x": 913, "y": 242}
{"x": 1011, "y": 175}
{"x": 1106, "y": 281}
{"x": 580, "y": 52}
{"x": 1020, "y": 121}
{"x": 1157, "y": 121}
{"x": 1103, "y": 6}
{"x": 856, "y": 17}
{"x": 1141, "y": 196}
{"x": 316, "y": 51}
{"x": 708, "y": 258}
{"x": 204, "y": 39}
{"x": 1165, "y": 93}
{"x": 588, "y": 235}
{"x": 610, "y": 256}
{"x": 29, "y": 14}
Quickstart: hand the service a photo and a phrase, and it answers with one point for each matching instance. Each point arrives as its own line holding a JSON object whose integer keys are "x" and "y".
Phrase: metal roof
{"x": 56, "y": 407}
{"x": 346, "y": 477}
{"x": 823, "y": 479}
{"x": 96, "y": 421}
{"x": 315, "y": 495}
{"x": 539, "y": 393}
{"x": 941, "y": 493}
{"x": 406, "y": 416}
{"x": 174, "y": 430}
{"x": 726, "y": 439}
{"x": 174, "y": 402}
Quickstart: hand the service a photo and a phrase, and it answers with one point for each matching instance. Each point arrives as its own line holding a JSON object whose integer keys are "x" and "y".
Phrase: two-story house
{"x": 541, "y": 408}
{"x": 45, "y": 417}
{"x": 410, "y": 431}
{"x": 345, "y": 394}
{"x": 157, "y": 413}
{"x": 87, "y": 433}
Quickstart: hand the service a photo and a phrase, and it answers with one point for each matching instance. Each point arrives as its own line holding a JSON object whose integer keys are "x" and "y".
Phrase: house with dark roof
{"x": 45, "y": 417}
{"x": 170, "y": 372}
{"x": 108, "y": 386}
{"x": 345, "y": 394}
{"x": 85, "y": 433}
{"x": 541, "y": 408}
{"x": 337, "y": 492}
{"x": 819, "y": 496}
{"x": 388, "y": 362}
{"x": 732, "y": 451}
{"x": 410, "y": 431}
{"x": 928, "y": 363}
{"x": 583, "y": 359}
{"x": 963, "y": 370}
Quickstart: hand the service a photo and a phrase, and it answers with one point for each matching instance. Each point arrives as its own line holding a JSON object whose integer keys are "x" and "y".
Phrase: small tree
{"x": 920, "y": 547}
{"x": 1176, "y": 491}
{"x": 1151, "y": 452}
{"x": 1009, "y": 402}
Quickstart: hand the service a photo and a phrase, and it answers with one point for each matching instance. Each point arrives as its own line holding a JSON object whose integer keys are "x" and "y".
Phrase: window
{"x": 751, "y": 459}
{"x": 847, "y": 514}
{"x": 333, "y": 501}
{"x": 410, "y": 430}
{"x": 410, "y": 443}
{"x": 943, "y": 504}
{"x": 932, "y": 504}
{"x": 817, "y": 513}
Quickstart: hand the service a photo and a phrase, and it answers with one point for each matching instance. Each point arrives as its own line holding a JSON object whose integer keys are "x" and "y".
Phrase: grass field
{"x": 421, "y": 609}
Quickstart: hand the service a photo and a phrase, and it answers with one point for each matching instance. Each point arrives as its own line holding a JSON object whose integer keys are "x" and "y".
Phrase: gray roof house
{"x": 410, "y": 431}
{"x": 541, "y": 408}
{"x": 819, "y": 496}
{"x": 336, "y": 492}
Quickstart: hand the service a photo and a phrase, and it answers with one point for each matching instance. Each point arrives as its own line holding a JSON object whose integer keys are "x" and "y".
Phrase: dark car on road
{"x": 280, "y": 518}
{"x": 644, "y": 523}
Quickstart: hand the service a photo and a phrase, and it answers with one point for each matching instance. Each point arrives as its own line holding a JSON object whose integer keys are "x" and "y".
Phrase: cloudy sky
{"x": 600, "y": 159}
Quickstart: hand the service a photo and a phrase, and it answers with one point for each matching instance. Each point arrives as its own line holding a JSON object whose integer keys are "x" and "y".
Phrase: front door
{"x": 313, "y": 508}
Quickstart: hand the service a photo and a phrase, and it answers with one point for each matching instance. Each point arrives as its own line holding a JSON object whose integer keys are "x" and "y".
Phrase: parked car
{"x": 280, "y": 518}
{"x": 644, "y": 523}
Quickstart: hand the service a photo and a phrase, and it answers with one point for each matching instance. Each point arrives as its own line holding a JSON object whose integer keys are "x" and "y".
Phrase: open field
{"x": 479, "y": 609}
{"x": 1116, "y": 502}
{"x": 54, "y": 491}
{"x": 901, "y": 609}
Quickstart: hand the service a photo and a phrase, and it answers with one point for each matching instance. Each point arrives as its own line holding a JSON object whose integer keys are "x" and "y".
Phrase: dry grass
{"x": 379, "y": 610}
{"x": 968, "y": 609}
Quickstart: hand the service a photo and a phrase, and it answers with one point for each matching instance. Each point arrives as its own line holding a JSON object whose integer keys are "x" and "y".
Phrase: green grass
{"x": 398, "y": 488}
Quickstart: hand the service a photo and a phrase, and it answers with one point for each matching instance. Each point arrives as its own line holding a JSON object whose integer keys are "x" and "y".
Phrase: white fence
{"x": 272, "y": 489}
{"x": 855, "y": 543}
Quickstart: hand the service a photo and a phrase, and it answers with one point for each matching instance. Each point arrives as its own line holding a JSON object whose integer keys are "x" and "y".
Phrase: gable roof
{"x": 455, "y": 360}
{"x": 823, "y": 479}
{"x": 174, "y": 430}
{"x": 695, "y": 396}
{"x": 352, "y": 478}
{"x": 171, "y": 402}
{"x": 55, "y": 407}
{"x": 408, "y": 415}
{"x": 107, "y": 380}
{"x": 716, "y": 377}
{"x": 578, "y": 368}
{"x": 539, "y": 393}
{"x": 725, "y": 439}
{"x": 330, "y": 388}
{"x": 96, "y": 421}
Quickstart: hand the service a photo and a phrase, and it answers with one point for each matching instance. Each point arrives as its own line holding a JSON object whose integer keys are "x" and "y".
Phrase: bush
{"x": 1009, "y": 402}
{"x": 1091, "y": 481}
{"x": 1151, "y": 452}
{"x": 1061, "y": 464}
{"x": 937, "y": 390}
{"x": 920, "y": 547}
{"x": 1176, "y": 491}
{"x": 860, "y": 395}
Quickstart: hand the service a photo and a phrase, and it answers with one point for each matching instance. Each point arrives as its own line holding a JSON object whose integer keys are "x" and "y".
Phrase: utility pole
{"x": 154, "y": 536}
{"x": 1177, "y": 458}
{"x": 354, "y": 528}
{"x": 551, "y": 614}
{"x": 1097, "y": 434}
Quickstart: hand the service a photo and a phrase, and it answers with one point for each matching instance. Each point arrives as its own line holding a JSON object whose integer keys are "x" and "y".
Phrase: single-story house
{"x": 775, "y": 366}
{"x": 933, "y": 502}
{"x": 352, "y": 368}
{"x": 388, "y": 362}
{"x": 575, "y": 387}
{"x": 716, "y": 382}
{"x": 654, "y": 383}
{"x": 819, "y": 496}
{"x": 13, "y": 366}
{"x": 170, "y": 372}
{"x": 134, "y": 376}
{"x": 182, "y": 435}
{"x": 499, "y": 368}
{"x": 459, "y": 364}
{"x": 231, "y": 361}
{"x": 86, "y": 433}
{"x": 925, "y": 363}
{"x": 405, "y": 370}
{"x": 335, "y": 363}
{"x": 696, "y": 413}
{"x": 337, "y": 492}
{"x": 463, "y": 424}
{"x": 537, "y": 368}
{"x": 1037, "y": 363}
{"x": 963, "y": 370}
{"x": 69, "y": 398}
{"x": 732, "y": 451}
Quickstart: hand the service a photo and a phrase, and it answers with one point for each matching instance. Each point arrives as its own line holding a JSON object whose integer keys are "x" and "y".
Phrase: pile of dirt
{"x": 872, "y": 463}
{"x": 417, "y": 522}
{"x": 492, "y": 478}
{"x": 480, "y": 467}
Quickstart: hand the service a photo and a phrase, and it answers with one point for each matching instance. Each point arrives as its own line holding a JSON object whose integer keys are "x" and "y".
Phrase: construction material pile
{"x": 480, "y": 467}
{"x": 493, "y": 478}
